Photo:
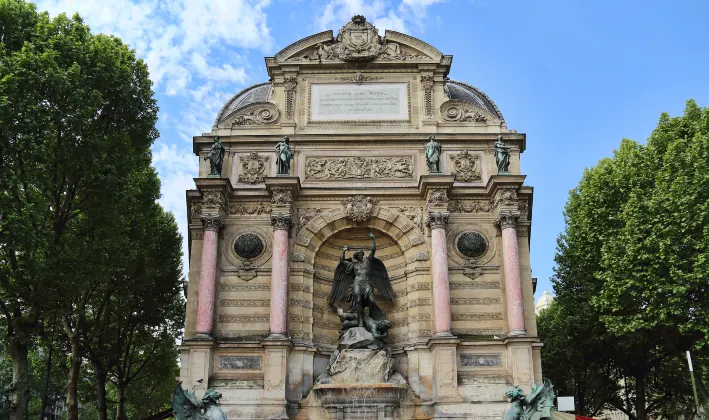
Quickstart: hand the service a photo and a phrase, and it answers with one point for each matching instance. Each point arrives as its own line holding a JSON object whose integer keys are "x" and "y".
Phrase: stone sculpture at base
{"x": 537, "y": 407}
{"x": 186, "y": 405}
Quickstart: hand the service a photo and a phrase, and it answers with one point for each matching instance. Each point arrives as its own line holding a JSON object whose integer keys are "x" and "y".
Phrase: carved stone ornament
{"x": 437, "y": 196}
{"x": 506, "y": 198}
{"x": 212, "y": 221}
{"x": 281, "y": 196}
{"x": 415, "y": 214}
{"x": 471, "y": 244}
{"x": 507, "y": 219}
{"x": 359, "y": 167}
{"x": 253, "y": 167}
{"x": 289, "y": 84}
{"x": 467, "y": 167}
{"x": 359, "y": 208}
{"x": 195, "y": 210}
{"x": 258, "y": 113}
{"x": 213, "y": 198}
{"x": 249, "y": 247}
{"x": 305, "y": 216}
{"x": 438, "y": 220}
{"x": 462, "y": 111}
{"x": 360, "y": 78}
{"x": 427, "y": 84}
{"x": 281, "y": 221}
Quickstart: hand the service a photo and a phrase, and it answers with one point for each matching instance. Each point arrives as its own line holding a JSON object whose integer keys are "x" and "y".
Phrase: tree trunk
{"x": 20, "y": 387}
{"x": 101, "y": 395}
{"x": 121, "y": 407}
{"x": 640, "y": 397}
{"x": 72, "y": 403}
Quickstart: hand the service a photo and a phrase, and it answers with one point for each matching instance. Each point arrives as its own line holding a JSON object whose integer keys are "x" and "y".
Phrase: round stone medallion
{"x": 471, "y": 244}
{"x": 248, "y": 246}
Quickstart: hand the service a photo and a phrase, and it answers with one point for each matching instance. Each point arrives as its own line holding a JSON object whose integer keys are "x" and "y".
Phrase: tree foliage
{"x": 631, "y": 269}
{"x": 83, "y": 242}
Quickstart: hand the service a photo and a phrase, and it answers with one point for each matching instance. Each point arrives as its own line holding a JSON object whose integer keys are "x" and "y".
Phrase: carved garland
{"x": 289, "y": 84}
{"x": 427, "y": 83}
{"x": 463, "y": 111}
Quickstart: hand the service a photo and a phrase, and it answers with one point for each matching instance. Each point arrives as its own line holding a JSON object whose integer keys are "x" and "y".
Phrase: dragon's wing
{"x": 540, "y": 401}
{"x": 380, "y": 278}
{"x": 340, "y": 284}
{"x": 179, "y": 401}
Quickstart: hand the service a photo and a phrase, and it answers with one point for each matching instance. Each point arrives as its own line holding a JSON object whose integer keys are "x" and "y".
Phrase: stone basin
{"x": 376, "y": 401}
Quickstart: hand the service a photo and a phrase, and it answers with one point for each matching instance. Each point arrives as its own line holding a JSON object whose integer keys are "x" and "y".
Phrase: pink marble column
{"x": 513, "y": 282}
{"x": 208, "y": 275}
{"x": 279, "y": 275}
{"x": 439, "y": 274}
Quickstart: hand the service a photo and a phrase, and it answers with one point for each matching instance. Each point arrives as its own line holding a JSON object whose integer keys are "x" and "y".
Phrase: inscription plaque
{"x": 478, "y": 360}
{"x": 240, "y": 362}
{"x": 353, "y": 102}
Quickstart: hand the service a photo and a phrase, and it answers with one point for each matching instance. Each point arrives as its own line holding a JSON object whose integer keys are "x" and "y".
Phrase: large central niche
{"x": 325, "y": 322}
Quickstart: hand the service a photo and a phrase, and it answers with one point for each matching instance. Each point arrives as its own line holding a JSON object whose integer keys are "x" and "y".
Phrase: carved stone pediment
{"x": 257, "y": 113}
{"x": 462, "y": 111}
{"x": 358, "y": 40}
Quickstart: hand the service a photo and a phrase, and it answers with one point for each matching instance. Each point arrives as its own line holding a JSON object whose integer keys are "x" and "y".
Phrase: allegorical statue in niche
{"x": 186, "y": 405}
{"x": 537, "y": 407}
{"x": 215, "y": 157}
{"x": 284, "y": 154}
{"x": 502, "y": 156}
{"x": 363, "y": 277}
{"x": 433, "y": 155}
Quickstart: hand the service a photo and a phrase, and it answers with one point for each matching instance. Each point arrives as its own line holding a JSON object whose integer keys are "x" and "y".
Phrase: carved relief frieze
{"x": 463, "y": 111}
{"x": 479, "y": 316}
{"x": 249, "y": 209}
{"x": 467, "y": 166}
{"x": 258, "y": 113}
{"x": 253, "y": 168}
{"x": 392, "y": 167}
{"x": 358, "y": 208}
{"x": 475, "y": 301}
{"x": 478, "y": 206}
{"x": 242, "y": 318}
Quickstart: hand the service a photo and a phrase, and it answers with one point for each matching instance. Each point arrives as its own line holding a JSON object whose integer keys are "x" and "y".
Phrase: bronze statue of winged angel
{"x": 363, "y": 277}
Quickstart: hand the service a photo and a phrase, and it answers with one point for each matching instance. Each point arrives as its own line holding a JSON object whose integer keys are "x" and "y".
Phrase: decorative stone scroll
{"x": 462, "y": 111}
{"x": 258, "y": 113}
{"x": 360, "y": 78}
{"x": 467, "y": 166}
{"x": 392, "y": 167}
{"x": 359, "y": 208}
{"x": 253, "y": 168}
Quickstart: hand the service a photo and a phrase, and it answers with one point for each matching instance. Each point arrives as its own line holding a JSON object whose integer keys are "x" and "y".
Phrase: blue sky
{"x": 576, "y": 76}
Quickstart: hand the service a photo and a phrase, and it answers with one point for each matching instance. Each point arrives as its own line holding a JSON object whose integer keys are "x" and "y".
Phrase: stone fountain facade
{"x": 358, "y": 109}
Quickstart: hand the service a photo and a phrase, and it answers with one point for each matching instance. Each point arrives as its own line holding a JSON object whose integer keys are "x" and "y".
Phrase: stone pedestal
{"x": 275, "y": 378}
{"x": 445, "y": 369}
{"x": 199, "y": 366}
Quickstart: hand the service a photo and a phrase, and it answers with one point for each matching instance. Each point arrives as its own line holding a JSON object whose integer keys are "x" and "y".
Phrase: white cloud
{"x": 383, "y": 14}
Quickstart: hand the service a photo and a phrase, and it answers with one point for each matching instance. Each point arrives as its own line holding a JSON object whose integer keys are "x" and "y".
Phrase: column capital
{"x": 280, "y": 221}
{"x": 438, "y": 220}
{"x": 212, "y": 221}
{"x": 507, "y": 219}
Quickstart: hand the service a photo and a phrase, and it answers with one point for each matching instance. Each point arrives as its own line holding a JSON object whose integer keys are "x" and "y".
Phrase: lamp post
{"x": 694, "y": 385}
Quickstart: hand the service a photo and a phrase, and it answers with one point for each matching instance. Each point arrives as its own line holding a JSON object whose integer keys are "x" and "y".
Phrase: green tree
{"x": 630, "y": 263}
{"x": 77, "y": 119}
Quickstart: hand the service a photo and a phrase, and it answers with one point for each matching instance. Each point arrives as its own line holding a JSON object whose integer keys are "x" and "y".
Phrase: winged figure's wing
{"x": 340, "y": 284}
{"x": 380, "y": 278}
